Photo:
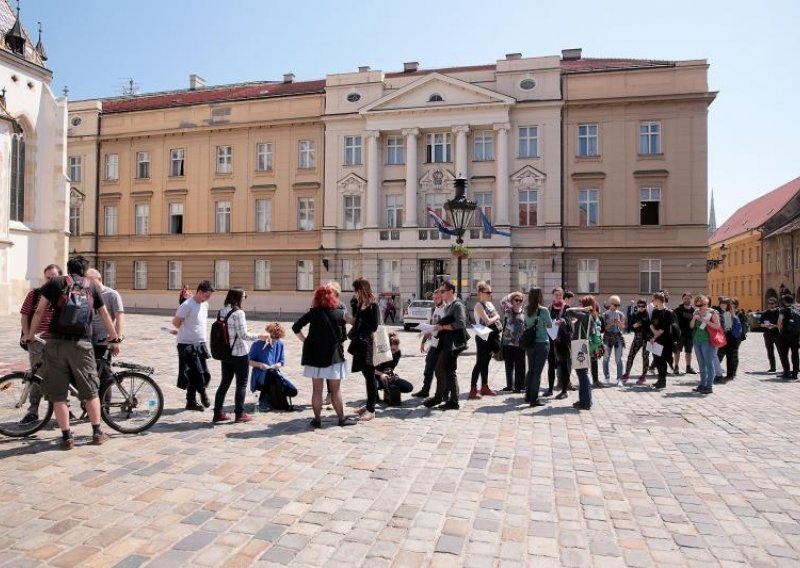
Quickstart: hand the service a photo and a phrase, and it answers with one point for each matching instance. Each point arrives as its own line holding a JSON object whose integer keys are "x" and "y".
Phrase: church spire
{"x": 40, "y": 46}
{"x": 14, "y": 38}
{"x": 712, "y": 216}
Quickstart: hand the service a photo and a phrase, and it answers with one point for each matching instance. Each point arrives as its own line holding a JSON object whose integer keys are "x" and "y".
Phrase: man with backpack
{"x": 190, "y": 323}
{"x": 789, "y": 334}
{"x": 69, "y": 354}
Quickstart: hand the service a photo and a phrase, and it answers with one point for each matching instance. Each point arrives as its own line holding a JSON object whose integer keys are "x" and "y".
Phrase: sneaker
{"x": 265, "y": 407}
{"x": 676, "y": 372}
{"x": 347, "y": 421}
{"x": 221, "y": 417}
{"x": 243, "y": 417}
{"x": 204, "y": 399}
{"x": 625, "y": 378}
{"x": 421, "y": 394}
{"x": 548, "y": 392}
{"x": 719, "y": 380}
{"x": 67, "y": 444}
{"x": 507, "y": 389}
{"x": 571, "y": 387}
{"x": 473, "y": 394}
{"x": 431, "y": 402}
{"x": 316, "y": 423}
{"x": 361, "y": 410}
{"x": 366, "y": 416}
{"x": 690, "y": 371}
{"x": 486, "y": 391}
{"x": 449, "y": 405}
{"x": 29, "y": 418}
{"x": 561, "y": 396}
{"x": 621, "y": 384}
{"x": 99, "y": 439}
{"x": 579, "y": 406}
{"x": 598, "y": 385}
{"x": 641, "y": 380}
{"x": 194, "y": 406}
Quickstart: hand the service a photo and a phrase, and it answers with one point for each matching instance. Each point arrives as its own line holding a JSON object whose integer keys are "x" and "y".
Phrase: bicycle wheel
{"x": 131, "y": 402}
{"x": 15, "y": 392}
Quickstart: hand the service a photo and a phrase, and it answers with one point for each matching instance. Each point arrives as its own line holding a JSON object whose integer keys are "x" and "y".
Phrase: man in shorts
{"x": 71, "y": 356}
{"x": 683, "y": 315}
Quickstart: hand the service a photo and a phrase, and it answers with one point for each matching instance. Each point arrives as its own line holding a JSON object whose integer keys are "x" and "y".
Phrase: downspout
{"x": 562, "y": 284}
{"x": 97, "y": 193}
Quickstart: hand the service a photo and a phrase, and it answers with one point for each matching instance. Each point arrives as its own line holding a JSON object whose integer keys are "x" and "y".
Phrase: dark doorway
{"x": 431, "y": 273}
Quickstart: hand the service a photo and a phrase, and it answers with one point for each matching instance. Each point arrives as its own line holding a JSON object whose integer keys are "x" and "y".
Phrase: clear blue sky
{"x": 96, "y": 45}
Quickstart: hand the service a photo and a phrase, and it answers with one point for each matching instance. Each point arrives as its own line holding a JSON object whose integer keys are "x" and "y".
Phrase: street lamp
{"x": 460, "y": 211}
{"x": 713, "y": 263}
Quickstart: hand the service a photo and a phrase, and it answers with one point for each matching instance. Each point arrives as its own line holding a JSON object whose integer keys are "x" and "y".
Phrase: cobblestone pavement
{"x": 644, "y": 479}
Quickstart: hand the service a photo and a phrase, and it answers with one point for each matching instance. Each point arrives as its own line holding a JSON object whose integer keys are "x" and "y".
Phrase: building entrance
{"x": 432, "y": 272}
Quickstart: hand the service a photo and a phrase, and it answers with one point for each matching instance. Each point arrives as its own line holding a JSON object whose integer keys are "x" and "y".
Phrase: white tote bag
{"x": 381, "y": 351}
{"x": 580, "y": 351}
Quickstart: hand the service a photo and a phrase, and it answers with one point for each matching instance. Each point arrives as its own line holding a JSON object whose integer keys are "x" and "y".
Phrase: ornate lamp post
{"x": 713, "y": 263}
{"x": 460, "y": 211}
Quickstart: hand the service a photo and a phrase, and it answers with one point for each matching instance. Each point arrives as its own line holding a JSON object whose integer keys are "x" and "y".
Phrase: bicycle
{"x": 130, "y": 401}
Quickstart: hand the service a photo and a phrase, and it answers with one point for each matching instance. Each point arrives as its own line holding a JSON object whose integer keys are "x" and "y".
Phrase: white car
{"x": 417, "y": 312}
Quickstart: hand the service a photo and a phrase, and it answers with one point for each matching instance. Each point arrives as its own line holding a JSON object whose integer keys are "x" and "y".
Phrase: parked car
{"x": 417, "y": 312}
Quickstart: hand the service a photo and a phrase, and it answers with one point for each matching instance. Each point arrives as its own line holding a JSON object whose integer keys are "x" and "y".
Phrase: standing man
{"x": 113, "y": 303}
{"x": 769, "y": 321}
{"x": 68, "y": 354}
{"x": 432, "y": 340}
{"x": 35, "y": 349}
{"x": 789, "y": 328}
{"x": 452, "y": 332}
{"x": 683, "y": 316}
{"x": 191, "y": 323}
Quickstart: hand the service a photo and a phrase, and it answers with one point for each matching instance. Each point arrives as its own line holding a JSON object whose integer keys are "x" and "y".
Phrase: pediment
{"x": 453, "y": 92}
{"x": 437, "y": 179}
{"x": 528, "y": 178}
{"x": 76, "y": 197}
{"x": 351, "y": 184}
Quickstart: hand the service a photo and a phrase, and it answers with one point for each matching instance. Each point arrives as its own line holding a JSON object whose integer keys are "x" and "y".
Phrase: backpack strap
{"x": 225, "y": 321}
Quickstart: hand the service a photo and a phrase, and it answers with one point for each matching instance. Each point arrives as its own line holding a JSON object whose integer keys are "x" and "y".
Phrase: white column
{"x": 461, "y": 150}
{"x": 373, "y": 178}
{"x": 412, "y": 176}
{"x": 501, "y": 183}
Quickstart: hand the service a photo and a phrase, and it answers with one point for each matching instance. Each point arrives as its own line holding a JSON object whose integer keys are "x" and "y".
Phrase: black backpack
{"x": 791, "y": 324}
{"x": 72, "y": 314}
{"x": 219, "y": 340}
{"x": 276, "y": 397}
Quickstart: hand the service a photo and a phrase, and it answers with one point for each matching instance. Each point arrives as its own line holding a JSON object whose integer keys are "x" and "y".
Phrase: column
{"x": 461, "y": 132}
{"x": 412, "y": 176}
{"x": 373, "y": 178}
{"x": 501, "y": 183}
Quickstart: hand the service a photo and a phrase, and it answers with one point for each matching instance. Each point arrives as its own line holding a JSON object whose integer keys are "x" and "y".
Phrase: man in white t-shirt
{"x": 191, "y": 323}
{"x": 116, "y": 310}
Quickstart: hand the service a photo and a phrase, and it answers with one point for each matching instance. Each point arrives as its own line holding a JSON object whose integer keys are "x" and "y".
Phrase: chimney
{"x": 571, "y": 54}
{"x": 513, "y": 56}
{"x": 196, "y": 82}
{"x": 363, "y": 68}
{"x": 410, "y": 66}
{"x": 288, "y": 77}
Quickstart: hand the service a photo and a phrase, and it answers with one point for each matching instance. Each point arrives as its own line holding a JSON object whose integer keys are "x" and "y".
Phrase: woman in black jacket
{"x": 366, "y": 319}
{"x": 323, "y": 355}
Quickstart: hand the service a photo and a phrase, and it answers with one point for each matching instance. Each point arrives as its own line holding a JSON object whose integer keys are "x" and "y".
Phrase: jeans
{"x": 706, "y": 355}
{"x": 237, "y": 366}
{"x": 514, "y": 359}
{"x": 430, "y": 366}
{"x": 537, "y": 356}
{"x": 584, "y": 388}
{"x": 617, "y": 343}
{"x": 717, "y": 364}
{"x": 481, "y": 368}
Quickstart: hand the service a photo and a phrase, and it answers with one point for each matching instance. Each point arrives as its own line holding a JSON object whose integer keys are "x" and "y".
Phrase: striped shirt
{"x": 237, "y": 331}
{"x": 29, "y": 308}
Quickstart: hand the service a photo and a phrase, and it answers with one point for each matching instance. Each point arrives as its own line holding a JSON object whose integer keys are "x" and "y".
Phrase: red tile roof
{"x": 754, "y": 214}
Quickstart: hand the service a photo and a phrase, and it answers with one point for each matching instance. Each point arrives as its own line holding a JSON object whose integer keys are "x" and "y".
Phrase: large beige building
{"x": 597, "y": 168}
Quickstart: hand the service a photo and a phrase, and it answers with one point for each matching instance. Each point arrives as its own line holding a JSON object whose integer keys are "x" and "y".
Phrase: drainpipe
{"x": 563, "y": 178}
{"x": 97, "y": 193}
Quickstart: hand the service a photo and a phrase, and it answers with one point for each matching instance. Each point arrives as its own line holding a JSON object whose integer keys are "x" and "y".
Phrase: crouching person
{"x": 385, "y": 376}
{"x": 267, "y": 358}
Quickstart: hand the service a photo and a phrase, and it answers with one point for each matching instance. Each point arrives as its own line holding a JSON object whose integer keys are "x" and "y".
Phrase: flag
{"x": 489, "y": 228}
{"x": 441, "y": 224}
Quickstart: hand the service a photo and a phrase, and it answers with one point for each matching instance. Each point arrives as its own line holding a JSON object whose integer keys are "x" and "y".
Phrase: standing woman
{"x": 661, "y": 320}
{"x": 323, "y": 354}
{"x": 513, "y": 354}
{"x": 485, "y": 314}
{"x": 366, "y": 317}
{"x": 706, "y": 354}
{"x": 536, "y": 317}
{"x": 731, "y": 350}
{"x": 239, "y": 363}
{"x": 584, "y": 321}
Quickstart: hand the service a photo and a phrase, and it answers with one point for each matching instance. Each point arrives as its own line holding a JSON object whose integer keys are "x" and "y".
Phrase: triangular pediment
{"x": 527, "y": 178}
{"x": 437, "y": 179}
{"x": 437, "y": 90}
{"x": 351, "y": 184}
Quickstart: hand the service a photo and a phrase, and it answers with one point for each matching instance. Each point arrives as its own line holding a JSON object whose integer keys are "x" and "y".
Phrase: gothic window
{"x": 17, "y": 205}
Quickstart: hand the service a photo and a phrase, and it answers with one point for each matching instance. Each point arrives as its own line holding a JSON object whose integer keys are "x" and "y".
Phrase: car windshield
{"x": 421, "y": 304}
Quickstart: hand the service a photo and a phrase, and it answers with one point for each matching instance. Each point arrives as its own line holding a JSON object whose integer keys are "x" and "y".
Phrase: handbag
{"x": 579, "y": 351}
{"x": 381, "y": 350}
{"x": 528, "y": 337}
{"x": 716, "y": 337}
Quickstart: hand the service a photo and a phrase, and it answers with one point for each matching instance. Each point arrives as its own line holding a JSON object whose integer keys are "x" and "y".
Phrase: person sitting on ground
{"x": 267, "y": 358}
{"x": 385, "y": 377}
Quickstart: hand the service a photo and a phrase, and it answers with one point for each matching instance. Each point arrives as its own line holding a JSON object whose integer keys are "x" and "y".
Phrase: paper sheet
{"x": 482, "y": 331}
{"x": 552, "y": 332}
{"x": 655, "y": 348}
{"x": 425, "y": 328}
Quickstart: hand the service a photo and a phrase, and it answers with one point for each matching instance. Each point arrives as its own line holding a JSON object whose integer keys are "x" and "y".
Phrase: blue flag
{"x": 489, "y": 228}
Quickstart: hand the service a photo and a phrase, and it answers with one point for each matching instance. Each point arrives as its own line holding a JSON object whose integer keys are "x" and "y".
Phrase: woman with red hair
{"x": 323, "y": 354}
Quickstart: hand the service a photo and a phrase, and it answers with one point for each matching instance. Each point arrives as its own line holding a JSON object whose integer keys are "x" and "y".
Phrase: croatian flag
{"x": 441, "y": 224}
{"x": 489, "y": 228}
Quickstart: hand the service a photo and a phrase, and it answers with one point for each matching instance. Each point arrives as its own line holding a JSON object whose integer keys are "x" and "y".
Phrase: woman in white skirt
{"x": 323, "y": 354}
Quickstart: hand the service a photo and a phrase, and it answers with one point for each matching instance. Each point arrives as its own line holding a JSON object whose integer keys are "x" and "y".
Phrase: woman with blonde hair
{"x": 704, "y": 318}
{"x": 485, "y": 314}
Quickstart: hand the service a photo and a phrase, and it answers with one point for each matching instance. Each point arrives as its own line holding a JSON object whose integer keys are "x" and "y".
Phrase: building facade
{"x": 781, "y": 243}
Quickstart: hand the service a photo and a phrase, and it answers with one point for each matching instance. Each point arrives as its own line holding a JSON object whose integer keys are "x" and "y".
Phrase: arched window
{"x": 17, "y": 206}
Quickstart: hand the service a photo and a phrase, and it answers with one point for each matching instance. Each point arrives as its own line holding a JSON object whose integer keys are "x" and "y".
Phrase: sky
{"x": 96, "y": 46}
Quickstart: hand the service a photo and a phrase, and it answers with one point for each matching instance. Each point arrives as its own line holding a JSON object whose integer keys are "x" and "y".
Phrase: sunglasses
{"x": 517, "y": 301}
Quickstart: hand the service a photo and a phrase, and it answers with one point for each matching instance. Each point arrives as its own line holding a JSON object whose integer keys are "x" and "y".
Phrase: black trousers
{"x": 514, "y": 359}
{"x": 237, "y": 366}
{"x": 731, "y": 355}
{"x": 482, "y": 360}
{"x": 785, "y": 348}
{"x": 770, "y": 342}
{"x": 372, "y": 389}
{"x": 446, "y": 375}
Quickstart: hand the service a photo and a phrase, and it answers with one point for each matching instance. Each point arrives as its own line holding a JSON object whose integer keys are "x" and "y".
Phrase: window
{"x": 142, "y": 214}
{"x": 305, "y": 215}
{"x": 17, "y": 205}
{"x": 649, "y": 276}
{"x": 390, "y": 276}
{"x": 587, "y": 140}
{"x": 395, "y": 205}
{"x": 224, "y": 160}
{"x": 527, "y": 274}
{"x": 588, "y": 272}
{"x": 348, "y": 273}
{"x": 264, "y": 157}
{"x": 395, "y": 150}
{"x": 112, "y": 167}
{"x": 649, "y": 203}
{"x": 650, "y": 138}
{"x": 75, "y": 168}
{"x": 176, "y": 162}
{"x": 110, "y": 220}
{"x": 110, "y": 273}
{"x": 770, "y": 268}
{"x": 307, "y": 155}
{"x": 588, "y": 208}
{"x": 438, "y": 148}
{"x": 263, "y": 215}
{"x": 352, "y": 150}
{"x": 529, "y": 142}
{"x": 262, "y": 275}
{"x": 483, "y": 146}
{"x": 305, "y": 275}
{"x": 528, "y": 208}
{"x": 352, "y": 212}
{"x": 174, "y": 275}
{"x": 480, "y": 269}
{"x": 143, "y": 165}
{"x": 222, "y": 273}
{"x": 435, "y": 98}
{"x": 483, "y": 199}
{"x": 139, "y": 275}
{"x": 176, "y": 218}
{"x": 74, "y": 220}
{"x": 222, "y": 217}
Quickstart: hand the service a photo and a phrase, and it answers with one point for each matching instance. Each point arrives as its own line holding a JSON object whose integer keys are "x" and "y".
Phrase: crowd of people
{"x": 521, "y": 331}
